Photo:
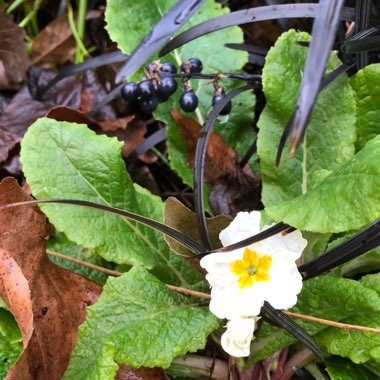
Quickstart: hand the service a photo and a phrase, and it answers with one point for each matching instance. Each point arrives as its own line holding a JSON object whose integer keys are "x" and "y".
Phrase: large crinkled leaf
{"x": 347, "y": 199}
{"x": 10, "y": 341}
{"x": 330, "y": 137}
{"x": 139, "y": 322}
{"x": 365, "y": 84}
{"x": 343, "y": 369}
{"x": 61, "y": 244}
{"x": 323, "y": 297}
{"x": 235, "y": 129}
{"x": 360, "y": 347}
{"x": 67, "y": 160}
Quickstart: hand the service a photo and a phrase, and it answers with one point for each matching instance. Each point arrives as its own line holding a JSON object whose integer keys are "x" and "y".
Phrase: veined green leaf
{"x": 323, "y": 297}
{"x": 129, "y": 21}
{"x": 61, "y": 244}
{"x": 365, "y": 84}
{"x": 347, "y": 199}
{"x": 68, "y": 160}
{"x": 139, "y": 322}
{"x": 330, "y": 137}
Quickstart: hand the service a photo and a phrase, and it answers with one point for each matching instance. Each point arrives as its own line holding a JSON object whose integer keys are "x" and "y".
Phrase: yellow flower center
{"x": 252, "y": 268}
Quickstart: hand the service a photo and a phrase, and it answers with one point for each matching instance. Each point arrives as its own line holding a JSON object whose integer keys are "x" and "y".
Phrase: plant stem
{"x": 82, "y": 12}
{"x": 81, "y": 49}
{"x": 194, "y": 293}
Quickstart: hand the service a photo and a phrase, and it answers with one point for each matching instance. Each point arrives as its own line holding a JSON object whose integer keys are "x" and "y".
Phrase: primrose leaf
{"x": 324, "y": 297}
{"x": 129, "y": 21}
{"x": 10, "y": 341}
{"x": 330, "y": 137}
{"x": 137, "y": 321}
{"x": 343, "y": 369}
{"x": 68, "y": 160}
{"x": 356, "y": 345}
{"x": 347, "y": 199}
{"x": 61, "y": 244}
{"x": 365, "y": 84}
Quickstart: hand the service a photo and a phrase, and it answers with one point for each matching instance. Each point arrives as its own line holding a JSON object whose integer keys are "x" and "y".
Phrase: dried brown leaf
{"x": 48, "y": 302}
{"x": 234, "y": 188}
{"x": 128, "y": 373}
{"x": 182, "y": 219}
{"x": 7, "y": 141}
{"x": 14, "y": 59}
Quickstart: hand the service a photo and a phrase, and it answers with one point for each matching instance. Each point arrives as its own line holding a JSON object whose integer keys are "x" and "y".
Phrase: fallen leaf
{"x": 47, "y": 301}
{"x": 7, "y": 141}
{"x": 14, "y": 59}
{"x": 182, "y": 219}
{"x": 234, "y": 188}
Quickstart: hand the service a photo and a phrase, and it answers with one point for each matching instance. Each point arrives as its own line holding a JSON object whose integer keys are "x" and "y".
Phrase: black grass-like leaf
{"x": 323, "y": 37}
{"x": 248, "y": 16}
{"x": 173, "y": 233}
{"x": 362, "y": 22}
{"x": 154, "y": 139}
{"x": 363, "y": 241}
{"x": 293, "y": 328}
{"x": 324, "y": 83}
{"x": 199, "y": 160}
{"x": 92, "y": 63}
{"x": 362, "y": 41}
{"x": 178, "y": 14}
{"x": 273, "y": 230}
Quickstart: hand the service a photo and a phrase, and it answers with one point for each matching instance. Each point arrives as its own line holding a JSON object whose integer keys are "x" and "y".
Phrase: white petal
{"x": 231, "y": 302}
{"x": 243, "y": 226}
{"x": 292, "y": 243}
{"x": 236, "y": 341}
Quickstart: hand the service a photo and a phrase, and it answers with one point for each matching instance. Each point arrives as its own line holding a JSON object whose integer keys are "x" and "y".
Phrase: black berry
{"x": 227, "y": 108}
{"x": 188, "y": 101}
{"x": 148, "y": 105}
{"x": 193, "y": 65}
{"x": 129, "y": 91}
{"x": 168, "y": 67}
{"x": 146, "y": 90}
{"x": 168, "y": 86}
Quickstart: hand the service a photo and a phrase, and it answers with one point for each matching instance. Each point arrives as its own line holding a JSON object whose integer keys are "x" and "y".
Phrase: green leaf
{"x": 10, "y": 342}
{"x": 139, "y": 322}
{"x": 347, "y": 199}
{"x": 330, "y": 137}
{"x": 343, "y": 369}
{"x": 356, "y": 345}
{"x": 324, "y": 297}
{"x": 365, "y": 84}
{"x": 68, "y": 160}
{"x": 129, "y": 21}
{"x": 61, "y": 244}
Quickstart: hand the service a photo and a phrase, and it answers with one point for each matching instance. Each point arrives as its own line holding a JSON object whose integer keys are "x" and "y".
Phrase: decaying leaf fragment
{"x": 233, "y": 186}
{"x": 47, "y": 301}
{"x": 13, "y": 54}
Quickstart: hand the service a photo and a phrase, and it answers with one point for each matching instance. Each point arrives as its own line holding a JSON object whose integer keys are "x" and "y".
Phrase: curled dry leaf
{"x": 234, "y": 188}
{"x": 14, "y": 59}
{"x": 47, "y": 301}
{"x": 181, "y": 218}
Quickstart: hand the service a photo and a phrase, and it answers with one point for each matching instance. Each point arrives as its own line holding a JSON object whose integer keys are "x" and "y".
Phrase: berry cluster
{"x": 159, "y": 84}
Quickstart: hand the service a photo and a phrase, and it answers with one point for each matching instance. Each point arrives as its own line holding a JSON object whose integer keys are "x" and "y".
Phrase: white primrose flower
{"x": 243, "y": 279}
{"x": 236, "y": 341}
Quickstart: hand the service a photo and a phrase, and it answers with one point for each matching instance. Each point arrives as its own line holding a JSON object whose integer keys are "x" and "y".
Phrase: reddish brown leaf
{"x": 55, "y": 44}
{"x": 234, "y": 188}
{"x": 7, "y": 141}
{"x": 48, "y": 302}
{"x": 14, "y": 59}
